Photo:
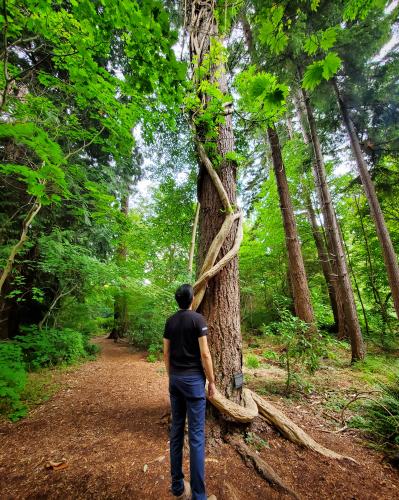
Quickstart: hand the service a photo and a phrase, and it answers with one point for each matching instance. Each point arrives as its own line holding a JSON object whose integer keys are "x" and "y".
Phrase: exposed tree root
{"x": 253, "y": 405}
{"x": 230, "y": 492}
{"x": 291, "y": 430}
{"x": 238, "y": 413}
{"x": 261, "y": 467}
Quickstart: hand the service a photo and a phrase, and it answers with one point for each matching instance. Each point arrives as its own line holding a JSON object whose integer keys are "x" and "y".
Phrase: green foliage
{"x": 154, "y": 351}
{"x": 272, "y": 29}
{"x": 34, "y": 350}
{"x": 50, "y": 347}
{"x": 252, "y": 361}
{"x": 13, "y": 379}
{"x": 323, "y": 40}
{"x": 269, "y": 354}
{"x": 301, "y": 346}
{"x": 252, "y": 439}
{"x": 79, "y": 76}
{"x": 361, "y": 8}
{"x": 319, "y": 70}
{"x": 261, "y": 95}
{"x": 379, "y": 418}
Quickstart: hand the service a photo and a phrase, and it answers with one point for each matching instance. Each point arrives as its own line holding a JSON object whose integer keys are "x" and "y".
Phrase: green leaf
{"x": 360, "y": 9}
{"x": 328, "y": 38}
{"x": 314, "y": 4}
{"x": 311, "y": 45}
{"x": 313, "y": 75}
{"x": 331, "y": 65}
{"x": 319, "y": 70}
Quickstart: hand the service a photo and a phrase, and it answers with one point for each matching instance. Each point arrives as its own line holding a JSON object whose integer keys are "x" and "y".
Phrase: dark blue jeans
{"x": 187, "y": 396}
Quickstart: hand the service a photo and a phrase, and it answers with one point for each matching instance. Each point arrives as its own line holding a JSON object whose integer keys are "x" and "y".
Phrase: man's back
{"x": 183, "y": 330}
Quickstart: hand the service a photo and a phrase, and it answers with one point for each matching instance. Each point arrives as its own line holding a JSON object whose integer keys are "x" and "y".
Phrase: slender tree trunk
{"x": 388, "y": 252}
{"x": 323, "y": 257}
{"x": 350, "y": 321}
{"x": 332, "y": 279}
{"x": 372, "y": 278}
{"x": 221, "y": 303}
{"x": 298, "y": 280}
{"x": 366, "y": 323}
{"x": 57, "y": 297}
{"x": 192, "y": 245}
{"x": 299, "y": 283}
{"x": 17, "y": 247}
{"x": 121, "y": 313}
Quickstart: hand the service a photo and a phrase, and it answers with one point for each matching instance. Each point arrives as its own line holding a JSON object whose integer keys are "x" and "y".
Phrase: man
{"x": 187, "y": 357}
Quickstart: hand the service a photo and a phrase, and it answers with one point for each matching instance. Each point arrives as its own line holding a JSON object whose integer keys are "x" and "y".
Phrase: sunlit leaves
{"x": 331, "y": 65}
{"x": 321, "y": 70}
{"x": 271, "y": 29}
{"x": 314, "y": 4}
{"x": 359, "y": 9}
{"x": 261, "y": 94}
{"x": 48, "y": 177}
{"x": 323, "y": 40}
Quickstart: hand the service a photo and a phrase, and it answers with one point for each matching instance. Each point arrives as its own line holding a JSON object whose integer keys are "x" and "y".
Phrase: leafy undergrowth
{"x": 26, "y": 365}
{"x": 364, "y": 395}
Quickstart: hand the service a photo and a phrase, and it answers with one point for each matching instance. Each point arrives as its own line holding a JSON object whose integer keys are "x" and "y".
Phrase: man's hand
{"x": 211, "y": 390}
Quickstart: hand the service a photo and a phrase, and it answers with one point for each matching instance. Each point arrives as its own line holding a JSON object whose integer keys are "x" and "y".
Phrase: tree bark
{"x": 221, "y": 302}
{"x": 17, "y": 247}
{"x": 193, "y": 237}
{"x": 371, "y": 273}
{"x": 332, "y": 279}
{"x": 324, "y": 260}
{"x": 388, "y": 252}
{"x": 121, "y": 313}
{"x": 350, "y": 323}
{"x": 299, "y": 283}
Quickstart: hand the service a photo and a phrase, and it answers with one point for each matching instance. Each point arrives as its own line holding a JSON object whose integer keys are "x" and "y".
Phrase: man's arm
{"x": 166, "y": 354}
{"x": 207, "y": 364}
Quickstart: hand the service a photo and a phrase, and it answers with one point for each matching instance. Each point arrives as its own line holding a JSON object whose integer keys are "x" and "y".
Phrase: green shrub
{"x": 154, "y": 350}
{"x": 50, "y": 347}
{"x": 269, "y": 354}
{"x": 302, "y": 348}
{"x": 379, "y": 418}
{"x": 12, "y": 380}
{"x": 33, "y": 350}
{"x": 91, "y": 349}
{"x": 252, "y": 361}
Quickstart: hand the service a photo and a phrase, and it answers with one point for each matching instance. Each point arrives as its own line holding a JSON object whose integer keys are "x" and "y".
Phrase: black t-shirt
{"x": 183, "y": 330}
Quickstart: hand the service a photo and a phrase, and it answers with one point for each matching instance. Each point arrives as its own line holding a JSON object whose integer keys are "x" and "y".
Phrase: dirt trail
{"x": 106, "y": 422}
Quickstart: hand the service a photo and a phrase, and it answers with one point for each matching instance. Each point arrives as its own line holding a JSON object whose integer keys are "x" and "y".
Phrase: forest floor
{"x": 107, "y": 428}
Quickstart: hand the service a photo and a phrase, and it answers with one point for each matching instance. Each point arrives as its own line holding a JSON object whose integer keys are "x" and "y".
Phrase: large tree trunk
{"x": 221, "y": 302}
{"x": 350, "y": 321}
{"x": 299, "y": 283}
{"x": 388, "y": 252}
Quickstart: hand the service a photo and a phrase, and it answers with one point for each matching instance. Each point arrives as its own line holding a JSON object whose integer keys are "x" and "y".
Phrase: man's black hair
{"x": 184, "y": 296}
